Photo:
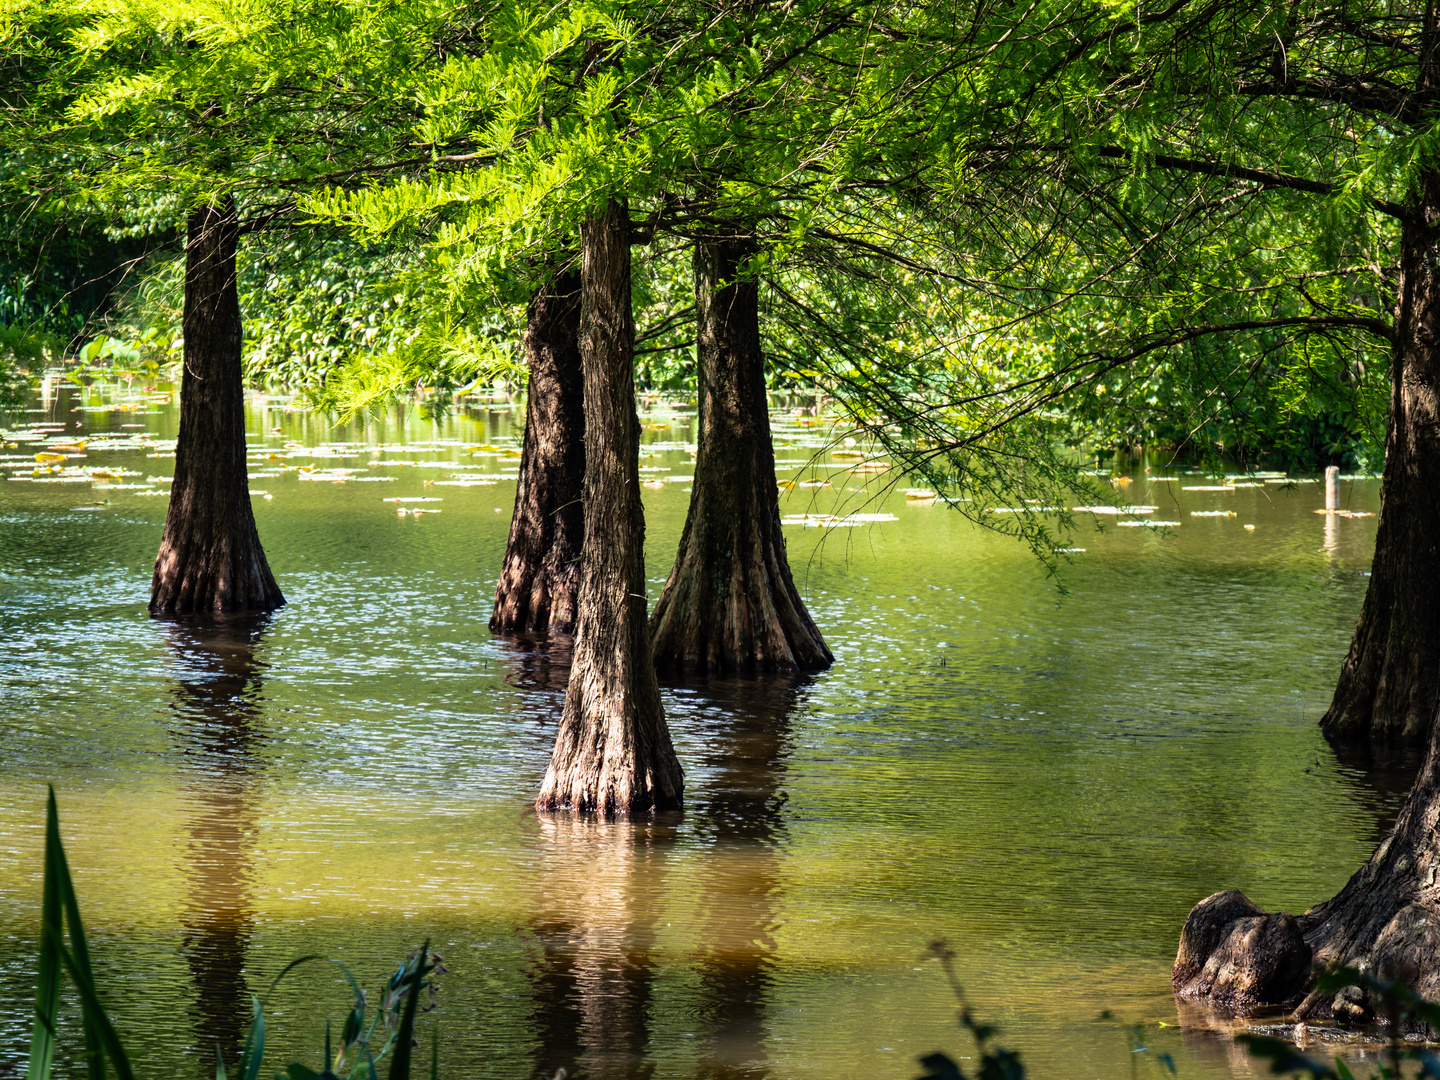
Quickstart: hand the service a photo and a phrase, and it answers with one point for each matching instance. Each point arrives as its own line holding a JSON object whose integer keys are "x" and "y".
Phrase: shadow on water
{"x": 540, "y": 663}
{"x": 217, "y": 727}
{"x": 1380, "y": 778}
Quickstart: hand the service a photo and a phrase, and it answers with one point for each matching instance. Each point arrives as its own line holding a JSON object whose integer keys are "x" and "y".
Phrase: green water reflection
{"x": 1049, "y": 785}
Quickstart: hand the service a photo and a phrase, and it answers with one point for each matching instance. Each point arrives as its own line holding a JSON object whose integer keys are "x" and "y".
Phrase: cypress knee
{"x": 540, "y": 576}
{"x": 210, "y": 557}
{"x": 730, "y": 602}
{"x": 612, "y": 751}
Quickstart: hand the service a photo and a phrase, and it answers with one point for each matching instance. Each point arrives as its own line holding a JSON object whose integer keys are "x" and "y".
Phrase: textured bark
{"x": 1386, "y": 920}
{"x": 612, "y": 750}
{"x": 1238, "y": 956}
{"x": 210, "y": 557}
{"x": 730, "y": 603}
{"x": 1390, "y": 682}
{"x": 540, "y": 576}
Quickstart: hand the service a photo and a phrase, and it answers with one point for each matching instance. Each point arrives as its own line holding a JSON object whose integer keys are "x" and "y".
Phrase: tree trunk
{"x": 1386, "y": 920}
{"x": 210, "y": 558}
{"x": 730, "y": 603}
{"x": 612, "y": 750}
{"x": 1390, "y": 683}
{"x": 541, "y": 573}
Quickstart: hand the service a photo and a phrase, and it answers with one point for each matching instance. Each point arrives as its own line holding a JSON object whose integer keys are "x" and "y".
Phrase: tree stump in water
{"x": 1236, "y": 955}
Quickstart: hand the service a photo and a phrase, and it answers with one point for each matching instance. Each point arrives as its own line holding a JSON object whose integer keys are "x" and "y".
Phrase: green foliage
{"x": 63, "y": 949}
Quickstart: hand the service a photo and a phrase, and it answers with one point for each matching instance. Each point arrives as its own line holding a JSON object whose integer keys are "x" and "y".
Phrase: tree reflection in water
{"x": 745, "y": 745}
{"x": 603, "y": 892}
{"x": 216, "y": 724}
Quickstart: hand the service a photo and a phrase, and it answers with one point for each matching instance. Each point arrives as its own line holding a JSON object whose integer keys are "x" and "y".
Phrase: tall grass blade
{"x": 60, "y": 910}
{"x": 405, "y": 1036}
{"x": 254, "y": 1051}
{"x": 47, "y": 990}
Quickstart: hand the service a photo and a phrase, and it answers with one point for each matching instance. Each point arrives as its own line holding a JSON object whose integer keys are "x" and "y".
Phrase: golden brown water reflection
{"x": 1048, "y": 785}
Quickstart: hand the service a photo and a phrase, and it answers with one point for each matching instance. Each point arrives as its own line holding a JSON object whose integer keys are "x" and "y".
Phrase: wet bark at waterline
{"x": 540, "y": 576}
{"x": 210, "y": 557}
{"x": 1386, "y": 920}
{"x": 730, "y": 602}
{"x": 613, "y": 753}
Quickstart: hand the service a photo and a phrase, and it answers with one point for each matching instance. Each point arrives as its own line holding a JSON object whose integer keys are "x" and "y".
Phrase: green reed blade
{"x": 98, "y": 1028}
{"x": 254, "y": 1045}
{"x": 47, "y": 991}
{"x": 400, "y": 1063}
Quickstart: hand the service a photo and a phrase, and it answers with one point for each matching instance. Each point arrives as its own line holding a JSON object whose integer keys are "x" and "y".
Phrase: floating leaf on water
{"x": 652, "y": 483}
{"x": 1212, "y": 513}
{"x": 830, "y": 521}
{"x": 1069, "y": 551}
{"x": 413, "y": 499}
{"x": 1148, "y": 524}
{"x": 814, "y": 483}
{"x": 463, "y": 483}
{"x": 918, "y": 493}
{"x": 49, "y": 457}
{"x": 1025, "y": 510}
{"x": 1251, "y": 528}
{"x": 1133, "y": 510}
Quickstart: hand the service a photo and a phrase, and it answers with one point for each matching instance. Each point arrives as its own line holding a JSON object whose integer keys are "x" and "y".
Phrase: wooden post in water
{"x": 1332, "y": 488}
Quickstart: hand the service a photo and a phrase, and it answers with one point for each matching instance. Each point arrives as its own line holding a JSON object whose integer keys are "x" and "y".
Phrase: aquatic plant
{"x": 63, "y": 949}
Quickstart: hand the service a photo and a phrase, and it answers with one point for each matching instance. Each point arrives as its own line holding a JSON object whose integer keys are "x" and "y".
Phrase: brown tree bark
{"x": 612, "y": 751}
{"x": 210, "y": 557}
{"x": 1386, "y": 920}
{"x": 540, "y": 576}
{"x": 1389, "y": 685}
{"x": 730, "y": 603}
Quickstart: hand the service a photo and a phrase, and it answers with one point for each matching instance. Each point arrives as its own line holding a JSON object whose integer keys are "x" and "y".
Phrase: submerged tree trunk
{"x": 541, "y": 573}
{"x": 612, "y": 750}
{"x": 1387, "y": 918}
{"x": 210, "y": 558}
{"x": 730, "y": 602}
{"x": 1389, "y": 686}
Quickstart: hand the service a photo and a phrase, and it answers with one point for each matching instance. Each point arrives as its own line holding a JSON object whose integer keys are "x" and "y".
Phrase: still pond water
{"x": 1048, "y": 785}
